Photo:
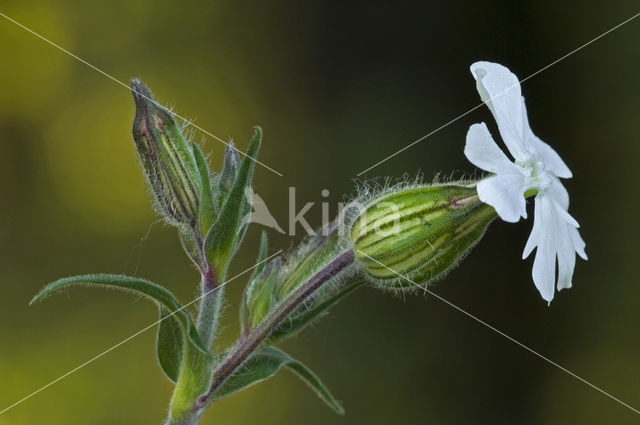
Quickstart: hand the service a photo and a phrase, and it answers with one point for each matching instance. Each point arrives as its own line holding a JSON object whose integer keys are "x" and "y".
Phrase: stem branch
{"x": 249, "y": 343}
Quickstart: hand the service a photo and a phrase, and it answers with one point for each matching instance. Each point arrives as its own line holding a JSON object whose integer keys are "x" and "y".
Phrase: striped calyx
{"x": 415, "y": 235}
{"x": 166, "y": 157}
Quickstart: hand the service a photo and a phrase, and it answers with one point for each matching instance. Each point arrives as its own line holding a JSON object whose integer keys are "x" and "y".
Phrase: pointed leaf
{"x": 264, "y": 364}
{"x": 149, "y": 290}
{"x": 261, "y": 263}
{"x": 226, "y": 233}
{"x": 169, "y": 345}
{"x": 262, "y": 298}
{"x": 262, "y": 255}
{"x": 312, "y": 380}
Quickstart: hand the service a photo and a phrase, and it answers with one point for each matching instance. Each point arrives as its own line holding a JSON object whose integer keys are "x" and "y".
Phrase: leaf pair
{"x": 176, "y": 325}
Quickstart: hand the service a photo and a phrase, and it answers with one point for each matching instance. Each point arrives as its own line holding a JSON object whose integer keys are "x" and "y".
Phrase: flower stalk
{"x": 212, "y": 295}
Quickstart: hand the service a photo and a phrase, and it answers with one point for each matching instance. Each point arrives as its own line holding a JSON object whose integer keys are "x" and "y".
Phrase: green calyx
{"x": 166, "y": 157}
{"x": 418, "y": 233}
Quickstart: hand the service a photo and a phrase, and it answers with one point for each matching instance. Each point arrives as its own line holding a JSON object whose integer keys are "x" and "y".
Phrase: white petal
{"x": 544, "y": 272}
{"x": 566, "y": 218}
{"x": 544, "y": 265}
{"x": 554, "y": 236}
{"x": 566, "y": 250}
{"x": 559, "y": 194}
{"x": 542, "y": 150}
{"x": 505, "y": 193}
{"x": 578, "y": 243}
{"x": 566, "y": 265}
{"x": 537, "y": 232}
{"x": 552, "y": 160}
{"x": 499, "y": 88}
{"x": 483, "y": 151}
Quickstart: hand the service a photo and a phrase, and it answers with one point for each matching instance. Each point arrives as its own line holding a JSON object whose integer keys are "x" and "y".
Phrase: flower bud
{"x": 226, "y": 178}
{"x": 167, "y": 159}
{"x": 418, "y": 233}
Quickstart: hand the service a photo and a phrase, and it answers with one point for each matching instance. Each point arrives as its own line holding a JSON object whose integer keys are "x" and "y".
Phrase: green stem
{"x": 196, "y": 368}
{"x": 209, "y": 306}
{"x": 195, "y": 373}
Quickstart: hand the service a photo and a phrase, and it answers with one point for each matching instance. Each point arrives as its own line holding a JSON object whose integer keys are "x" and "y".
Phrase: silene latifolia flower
{"x": 536, "y": 169}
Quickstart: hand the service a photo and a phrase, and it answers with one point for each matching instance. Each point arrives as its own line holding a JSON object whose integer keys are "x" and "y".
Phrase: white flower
{"x": 536, "y": 168}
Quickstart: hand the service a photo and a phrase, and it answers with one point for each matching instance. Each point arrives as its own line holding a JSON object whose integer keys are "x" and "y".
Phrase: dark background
{"x": 337, "y": 87}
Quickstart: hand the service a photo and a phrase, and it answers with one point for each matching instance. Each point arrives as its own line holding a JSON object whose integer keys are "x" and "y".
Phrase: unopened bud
{"x": 412, "y": 236}
{"x": 224, "y": 181}
{"x": 166, "y": 157}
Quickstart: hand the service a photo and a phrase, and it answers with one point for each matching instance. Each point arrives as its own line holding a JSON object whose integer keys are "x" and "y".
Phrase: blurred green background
{"x": 337, "y": 87}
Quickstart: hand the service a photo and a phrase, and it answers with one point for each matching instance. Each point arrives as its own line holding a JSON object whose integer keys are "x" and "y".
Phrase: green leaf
{"x": 149, "y": 290}
{"x": 207, "y": 213}
{"x": 306, "y": 317}
{"x": 226, "y": 233}
{"x": 262, "y": 298}
{"x": 266, "y": 363}
{"x": 262, "y": 255}
{"x": 169, "y": 345}
{"x": 246, "y": 295}
{"x": 312, "y": 380}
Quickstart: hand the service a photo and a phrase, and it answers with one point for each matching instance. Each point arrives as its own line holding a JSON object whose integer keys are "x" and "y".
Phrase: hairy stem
{"x": 250, "y": 342}
{"x": 196, "y": 369}
{"x": 209, "y": 306}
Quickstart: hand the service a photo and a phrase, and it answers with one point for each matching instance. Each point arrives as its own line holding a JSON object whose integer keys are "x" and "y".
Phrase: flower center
{"x": 535, "y": 174}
